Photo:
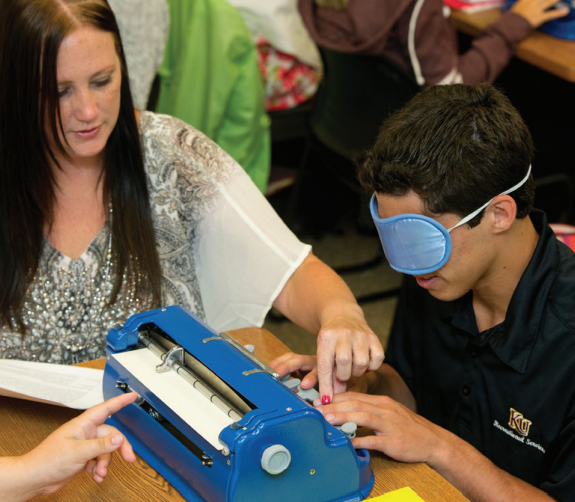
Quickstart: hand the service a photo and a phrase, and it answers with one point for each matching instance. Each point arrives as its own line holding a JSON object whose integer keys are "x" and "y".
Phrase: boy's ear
{"x": 503, "y": 212}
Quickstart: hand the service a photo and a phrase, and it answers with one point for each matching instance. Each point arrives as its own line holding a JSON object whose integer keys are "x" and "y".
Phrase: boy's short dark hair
{"x": 456, "y": 146}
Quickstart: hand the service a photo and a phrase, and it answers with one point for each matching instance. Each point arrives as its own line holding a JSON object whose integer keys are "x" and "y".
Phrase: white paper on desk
{"x": 71, "y": 386}
{"x": 176, "y": 393}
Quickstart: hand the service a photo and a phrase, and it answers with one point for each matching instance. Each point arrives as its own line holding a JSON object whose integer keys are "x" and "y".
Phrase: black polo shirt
{"x": 510, "y": 390}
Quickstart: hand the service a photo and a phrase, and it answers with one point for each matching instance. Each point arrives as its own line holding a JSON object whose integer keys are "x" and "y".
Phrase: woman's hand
{"x": 537, "y": 12}
{"x": 346, "y": 347}
{"x": 82, "y": 444}
{"x": 346, "y": 350}
{"x": 318, "y": 300}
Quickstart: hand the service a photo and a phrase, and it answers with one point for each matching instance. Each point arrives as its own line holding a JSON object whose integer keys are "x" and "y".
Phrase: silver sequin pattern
{"x": 65, "y": 308}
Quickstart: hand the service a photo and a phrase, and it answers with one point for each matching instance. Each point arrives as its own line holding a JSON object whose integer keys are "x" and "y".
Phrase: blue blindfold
{"x": 415, "y": 244}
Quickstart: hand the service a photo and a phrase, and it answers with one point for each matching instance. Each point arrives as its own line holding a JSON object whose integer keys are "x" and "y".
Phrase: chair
{"x": 358, "y": 92}
{"x": 290, "y": 124}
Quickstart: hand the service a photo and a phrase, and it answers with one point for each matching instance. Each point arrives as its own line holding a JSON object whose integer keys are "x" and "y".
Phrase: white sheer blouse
{"x": 224, "y": 252}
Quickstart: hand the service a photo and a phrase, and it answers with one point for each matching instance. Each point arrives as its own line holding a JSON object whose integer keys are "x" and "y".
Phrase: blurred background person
{"x": 418, "y": 35}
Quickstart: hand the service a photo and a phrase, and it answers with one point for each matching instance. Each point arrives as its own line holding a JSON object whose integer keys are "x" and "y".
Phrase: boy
{"x": 483, "y": 343}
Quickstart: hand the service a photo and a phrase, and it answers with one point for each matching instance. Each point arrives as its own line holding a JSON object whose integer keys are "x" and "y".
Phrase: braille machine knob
{"x": 349, "y": 429}
{"x": 276, "y": 459}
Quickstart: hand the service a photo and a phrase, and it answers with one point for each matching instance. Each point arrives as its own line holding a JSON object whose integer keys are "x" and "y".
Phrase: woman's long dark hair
{"x": 31, "y": 32}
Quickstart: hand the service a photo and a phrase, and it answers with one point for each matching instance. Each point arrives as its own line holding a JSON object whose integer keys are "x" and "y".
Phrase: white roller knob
{"x": 276, "y": 459}
{"x": 349, "y": 429}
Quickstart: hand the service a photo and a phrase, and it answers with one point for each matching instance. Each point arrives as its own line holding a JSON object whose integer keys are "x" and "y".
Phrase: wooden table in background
{"x": 551, "y": 54}
{"x": 23, "y": 424}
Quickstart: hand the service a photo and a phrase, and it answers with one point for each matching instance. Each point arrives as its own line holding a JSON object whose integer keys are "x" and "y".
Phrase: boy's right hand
{"x": 291, "y": 363}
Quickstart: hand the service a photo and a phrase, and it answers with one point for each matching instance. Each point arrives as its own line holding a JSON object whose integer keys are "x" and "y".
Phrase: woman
{"x": 106, "y": 212}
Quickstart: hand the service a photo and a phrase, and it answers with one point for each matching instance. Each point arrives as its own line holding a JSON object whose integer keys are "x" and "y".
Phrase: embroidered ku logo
{"x": 520, "y": 424}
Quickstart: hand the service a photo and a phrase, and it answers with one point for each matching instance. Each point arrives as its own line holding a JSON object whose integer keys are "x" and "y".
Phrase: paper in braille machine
{"x": 217, "y": 422}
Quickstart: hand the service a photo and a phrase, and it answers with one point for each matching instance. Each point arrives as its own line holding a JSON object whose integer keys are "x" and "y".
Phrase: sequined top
{"x": 225, "y": 254}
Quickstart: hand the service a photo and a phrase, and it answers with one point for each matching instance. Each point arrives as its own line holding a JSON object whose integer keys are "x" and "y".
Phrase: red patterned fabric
{"x": 564, "y": 233}
{"x": 288, "y": 81}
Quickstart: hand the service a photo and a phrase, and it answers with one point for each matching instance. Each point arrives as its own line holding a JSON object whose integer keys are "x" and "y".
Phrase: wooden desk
{"x": 25, "y": 423}
{"x": 539, "y": 49}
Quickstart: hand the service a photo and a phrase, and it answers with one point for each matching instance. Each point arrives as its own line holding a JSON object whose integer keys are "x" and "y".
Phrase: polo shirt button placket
{"x": 466, "y": 390}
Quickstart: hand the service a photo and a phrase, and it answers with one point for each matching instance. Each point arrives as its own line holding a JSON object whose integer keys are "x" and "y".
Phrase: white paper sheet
{"x": 188, "y": 403}
{"x": 70, "y": 386}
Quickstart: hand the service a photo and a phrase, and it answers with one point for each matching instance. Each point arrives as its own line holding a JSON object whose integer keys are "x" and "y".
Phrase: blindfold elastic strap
{"x": 475, "y": 213}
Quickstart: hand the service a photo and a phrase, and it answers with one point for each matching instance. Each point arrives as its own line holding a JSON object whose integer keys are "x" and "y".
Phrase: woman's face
{"x": 89, "y": 80}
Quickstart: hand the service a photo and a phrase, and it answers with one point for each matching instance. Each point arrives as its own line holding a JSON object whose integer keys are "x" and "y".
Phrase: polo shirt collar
{"x": 514, "y": 339}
